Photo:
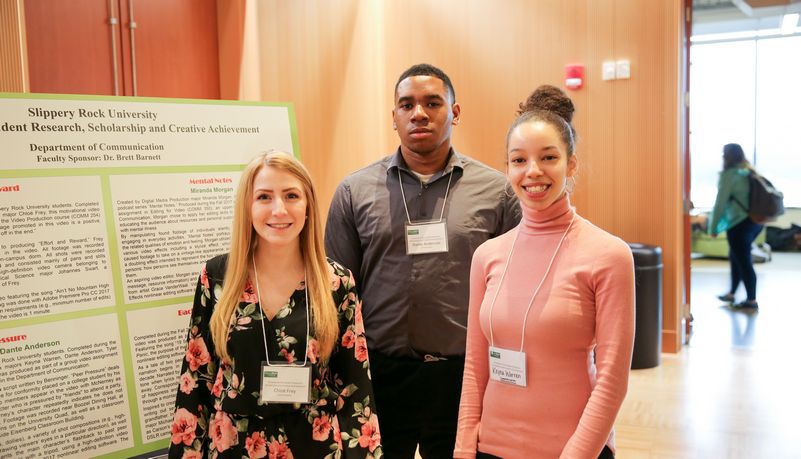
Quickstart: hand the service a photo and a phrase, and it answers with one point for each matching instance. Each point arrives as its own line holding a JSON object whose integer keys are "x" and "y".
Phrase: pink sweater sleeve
{"x": 613, "y": 277}
{"x": 475, "y": 366}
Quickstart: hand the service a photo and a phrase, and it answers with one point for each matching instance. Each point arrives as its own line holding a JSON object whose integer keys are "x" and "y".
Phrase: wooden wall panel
{"x": 326, "y": 57}
{"x": 496, "y": 53}
{"x": 630, "y": 181}
{"x": 69, "y": 46}
{"x": 231, "y": 39}
{"x": 73, "y": 47}
{"x": 13, "y": 53}
{"x": 175, "y": 46}
{"x": 337, "y": 61}
{"x": 646, "y": 127}
{"x": 596, "y": 149}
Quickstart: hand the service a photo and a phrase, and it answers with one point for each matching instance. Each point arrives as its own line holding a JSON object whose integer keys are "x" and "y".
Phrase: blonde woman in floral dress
{"x": 275, "y": 309}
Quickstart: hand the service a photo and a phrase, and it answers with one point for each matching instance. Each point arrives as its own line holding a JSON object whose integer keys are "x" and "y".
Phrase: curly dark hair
{"x": 551, "y": 105}
{"x": 549, "y": 98}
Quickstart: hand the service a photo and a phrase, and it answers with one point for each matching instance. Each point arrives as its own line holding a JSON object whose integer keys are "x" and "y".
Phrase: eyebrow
{"x": 426, "y": 97}
{"x": 292, "y": 188}
{"x": 547, "y": 148}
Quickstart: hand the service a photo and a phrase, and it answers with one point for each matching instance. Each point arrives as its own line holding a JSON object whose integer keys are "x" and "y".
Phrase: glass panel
{"x": 721, "y": 110}
{"x": 778, "y": 95}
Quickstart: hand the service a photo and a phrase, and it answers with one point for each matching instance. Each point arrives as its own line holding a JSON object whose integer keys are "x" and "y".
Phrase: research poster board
{"x": 108, "y": 208}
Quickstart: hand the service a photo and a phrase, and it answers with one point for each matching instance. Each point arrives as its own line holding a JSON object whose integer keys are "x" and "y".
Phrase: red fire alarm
{"x": 574, "y": 76}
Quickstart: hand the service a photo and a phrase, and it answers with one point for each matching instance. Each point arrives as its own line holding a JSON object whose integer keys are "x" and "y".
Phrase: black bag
{"x": 765, "y": 202}
{"x": 784, "y": 239}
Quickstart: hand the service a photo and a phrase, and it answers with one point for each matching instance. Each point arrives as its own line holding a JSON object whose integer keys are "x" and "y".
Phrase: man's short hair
{"x": 427, "y": 70}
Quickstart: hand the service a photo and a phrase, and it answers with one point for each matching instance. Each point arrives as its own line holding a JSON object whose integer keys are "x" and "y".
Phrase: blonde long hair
{"x": 243, "y": 242}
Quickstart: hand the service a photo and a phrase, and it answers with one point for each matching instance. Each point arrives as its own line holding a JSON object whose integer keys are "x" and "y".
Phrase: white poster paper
{"x": 108, "y": 208}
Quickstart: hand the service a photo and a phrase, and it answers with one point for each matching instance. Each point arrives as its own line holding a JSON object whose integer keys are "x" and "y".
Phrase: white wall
{"x": 793, "y": 215}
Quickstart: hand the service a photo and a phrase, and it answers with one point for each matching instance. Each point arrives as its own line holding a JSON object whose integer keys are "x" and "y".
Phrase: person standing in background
{"x": 551, "y": 322}
{"x": 407, "y": 226}
{"x": 730, "y": 215}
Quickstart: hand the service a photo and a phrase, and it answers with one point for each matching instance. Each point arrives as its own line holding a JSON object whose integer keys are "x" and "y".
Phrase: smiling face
{"x": 278, "y": 207}
{"x": 424, "y": 115}
{"x": 538, "y": 165}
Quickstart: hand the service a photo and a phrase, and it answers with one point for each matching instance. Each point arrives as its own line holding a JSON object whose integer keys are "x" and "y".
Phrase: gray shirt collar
{"x": 454, "y": 160}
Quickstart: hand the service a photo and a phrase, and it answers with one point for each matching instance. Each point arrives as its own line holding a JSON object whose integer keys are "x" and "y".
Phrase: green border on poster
{"x": 120, "y": 307}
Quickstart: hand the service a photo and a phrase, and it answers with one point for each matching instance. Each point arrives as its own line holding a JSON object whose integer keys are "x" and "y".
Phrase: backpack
{"x": 765, "y": 202}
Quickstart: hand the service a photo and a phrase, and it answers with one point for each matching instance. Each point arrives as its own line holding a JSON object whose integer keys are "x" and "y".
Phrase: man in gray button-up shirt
{"x": 415, "y": 305}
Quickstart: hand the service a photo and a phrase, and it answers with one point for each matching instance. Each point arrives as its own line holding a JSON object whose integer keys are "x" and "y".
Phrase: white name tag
{"x": 426, "y": 238}
{"x": 507, "y": 366}
{"x": 285, "y": 384}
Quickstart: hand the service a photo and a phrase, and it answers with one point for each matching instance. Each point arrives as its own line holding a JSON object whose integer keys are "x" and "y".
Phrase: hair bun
{"x": 551, "y": 99}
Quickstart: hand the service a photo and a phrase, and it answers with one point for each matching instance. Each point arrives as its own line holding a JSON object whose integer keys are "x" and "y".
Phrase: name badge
{"x": 285, "y": 384}
{"x": 507, "y": 366}
{"x": 426, "y": 238}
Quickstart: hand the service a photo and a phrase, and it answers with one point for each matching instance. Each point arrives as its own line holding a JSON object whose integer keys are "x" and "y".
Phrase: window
{"x": 778, "y": 120}
{"x": 746, "y": 92}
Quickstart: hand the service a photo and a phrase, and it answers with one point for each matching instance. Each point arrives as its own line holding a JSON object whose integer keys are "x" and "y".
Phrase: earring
{"x": 570, "y": 183}
{"x": 394, "y": 126}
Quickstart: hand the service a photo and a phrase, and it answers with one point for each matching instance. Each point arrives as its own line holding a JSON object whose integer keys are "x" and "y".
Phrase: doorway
{"x": 741, "y": 63}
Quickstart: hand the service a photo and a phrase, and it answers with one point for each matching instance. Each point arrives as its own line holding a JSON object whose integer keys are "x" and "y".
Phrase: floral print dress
{"x": 218, "y": 414}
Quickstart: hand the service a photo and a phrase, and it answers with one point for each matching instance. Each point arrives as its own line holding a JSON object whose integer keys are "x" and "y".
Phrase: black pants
{"x": 740, "y": 238}
{"x": 417, "y": 402}
{"x": 606, "y": 453}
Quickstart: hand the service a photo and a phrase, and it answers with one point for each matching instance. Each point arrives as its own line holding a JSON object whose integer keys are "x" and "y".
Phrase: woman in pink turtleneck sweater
{"x": 583, "y": 307}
